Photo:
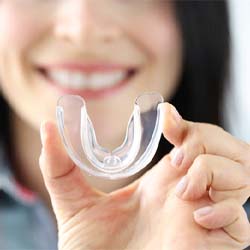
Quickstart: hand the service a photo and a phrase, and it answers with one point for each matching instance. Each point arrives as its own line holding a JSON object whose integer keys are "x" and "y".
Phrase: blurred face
{"x": 107, "y": 51}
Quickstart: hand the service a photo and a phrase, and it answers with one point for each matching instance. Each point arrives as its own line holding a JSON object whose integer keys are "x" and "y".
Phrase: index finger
{"x": 192, "y": 139}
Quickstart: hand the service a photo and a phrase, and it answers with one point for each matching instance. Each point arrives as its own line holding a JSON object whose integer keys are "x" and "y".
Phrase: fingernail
{"x": 177, "y": 157}
{"x": 176, "y": 114}
{"x": 181, "y": 186}
{"x": 203, "y": 211}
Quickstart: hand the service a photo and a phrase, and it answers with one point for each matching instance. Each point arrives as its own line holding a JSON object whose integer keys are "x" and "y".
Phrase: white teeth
{"x": 78, "y": 80}
{"x": 105, "y": 80}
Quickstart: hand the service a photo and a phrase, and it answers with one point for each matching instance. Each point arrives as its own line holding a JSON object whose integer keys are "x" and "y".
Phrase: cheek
{"x": 164, "y": 41}
{"x": 158, "y": 33}
{"x": 159, "y": 38}
{"x": 18, "y": 28}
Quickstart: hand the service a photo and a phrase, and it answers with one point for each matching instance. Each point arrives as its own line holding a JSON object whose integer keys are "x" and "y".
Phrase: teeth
{"x": 78, "y": 80}
{"x": 105, "y": 80}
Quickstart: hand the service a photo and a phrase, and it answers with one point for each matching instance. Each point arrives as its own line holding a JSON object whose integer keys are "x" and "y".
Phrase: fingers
{"x": 182, "y": 135}
{"x": 156, "y": 183}
{"x": 225, "y": 178}
{"x": 65, "y": 183}
{"x": 229, "y": 216}
{"x": 191, "y": 139}
{"x": 53, "y": 153}
{"x": 174, "y": 127}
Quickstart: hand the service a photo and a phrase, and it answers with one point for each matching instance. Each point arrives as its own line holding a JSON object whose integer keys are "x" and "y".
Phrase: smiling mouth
{"x": 87, "y": 81}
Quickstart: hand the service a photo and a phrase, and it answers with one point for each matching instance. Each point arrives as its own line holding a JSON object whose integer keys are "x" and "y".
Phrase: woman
{"x": 49, "y": 48}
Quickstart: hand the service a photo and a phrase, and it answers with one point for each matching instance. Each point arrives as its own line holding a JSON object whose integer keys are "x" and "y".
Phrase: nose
{"x": 81, "y": 21}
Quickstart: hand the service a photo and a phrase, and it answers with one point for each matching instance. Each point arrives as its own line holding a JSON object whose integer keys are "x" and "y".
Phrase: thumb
{"x": 174, "y": 127}
{"x": 68, "y": 190}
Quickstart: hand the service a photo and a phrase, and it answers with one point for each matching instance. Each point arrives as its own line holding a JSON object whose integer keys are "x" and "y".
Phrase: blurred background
{"x": 237, "y": 99}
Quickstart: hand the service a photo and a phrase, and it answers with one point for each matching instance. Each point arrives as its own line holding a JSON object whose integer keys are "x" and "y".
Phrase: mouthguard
{"x": 135, "y": 153}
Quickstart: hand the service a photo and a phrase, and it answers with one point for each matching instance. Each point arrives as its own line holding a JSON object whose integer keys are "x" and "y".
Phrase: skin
{"x": 89, "y": 30}
{"x": 152, "y": 213}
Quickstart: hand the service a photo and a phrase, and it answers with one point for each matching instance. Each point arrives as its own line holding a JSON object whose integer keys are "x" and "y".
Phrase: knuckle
{"x": 246, "y": 176}
{"x": 242, "y": 154}
{"x": 197, "y": 130}
{"x": 165, "y": 161}
{"x": 199, "y": 169}
{"x": 208, "y": 127}
{"x": 245, "y": 235}
{"x": 247, "y": 190}
{"x": 236, "y": 208}
{"x": 201, "y": 163}
{"x": 214, "y": 127}
{"x": 198, "y": 135}
{"x": 246, "y": 155}
{"x": 245, "y": 146}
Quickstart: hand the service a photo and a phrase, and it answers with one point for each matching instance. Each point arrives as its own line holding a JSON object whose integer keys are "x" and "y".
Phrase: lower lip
{"x": 88, "y": 93}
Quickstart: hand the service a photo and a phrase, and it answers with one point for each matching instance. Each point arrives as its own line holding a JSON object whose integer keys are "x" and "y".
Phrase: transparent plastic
{"x": 135, "y": 153}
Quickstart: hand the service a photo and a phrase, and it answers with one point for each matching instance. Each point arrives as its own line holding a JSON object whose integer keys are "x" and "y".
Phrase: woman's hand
{"x": 215, "y": 163}
{"x": 145, "y": 215}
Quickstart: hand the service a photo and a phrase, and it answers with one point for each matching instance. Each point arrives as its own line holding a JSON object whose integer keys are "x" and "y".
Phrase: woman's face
{"x": 108, "y": 51}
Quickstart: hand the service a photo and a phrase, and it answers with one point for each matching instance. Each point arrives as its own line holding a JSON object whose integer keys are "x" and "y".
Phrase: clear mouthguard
{"x": 135, "y": 153}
